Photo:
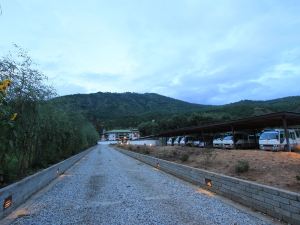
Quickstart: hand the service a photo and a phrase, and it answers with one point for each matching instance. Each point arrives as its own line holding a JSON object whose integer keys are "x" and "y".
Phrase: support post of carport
{"x": 255, "y": 139}
{"x": 164, "y": 141}
{"x": 287, "y": 134}
{"x": 202, "y": 138}
{"x": 233, "y": 138}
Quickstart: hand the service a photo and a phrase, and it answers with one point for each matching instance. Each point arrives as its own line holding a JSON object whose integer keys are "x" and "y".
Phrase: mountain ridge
{"x": 120, "y": 110}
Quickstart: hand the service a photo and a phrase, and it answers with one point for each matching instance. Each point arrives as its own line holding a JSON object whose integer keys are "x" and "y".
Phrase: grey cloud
{"x": 99, "y": 77}
{"x": 199, "y": 51}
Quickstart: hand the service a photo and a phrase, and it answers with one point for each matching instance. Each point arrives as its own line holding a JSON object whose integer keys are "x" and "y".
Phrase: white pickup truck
{"x": 275, "y": 140}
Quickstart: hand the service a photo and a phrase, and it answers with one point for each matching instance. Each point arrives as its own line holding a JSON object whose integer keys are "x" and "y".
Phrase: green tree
{"x": 43, "y": 132}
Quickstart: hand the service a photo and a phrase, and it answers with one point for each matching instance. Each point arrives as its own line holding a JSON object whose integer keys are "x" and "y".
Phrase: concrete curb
{"x": 278, "y": 203}
{"x": 20, "y": 191}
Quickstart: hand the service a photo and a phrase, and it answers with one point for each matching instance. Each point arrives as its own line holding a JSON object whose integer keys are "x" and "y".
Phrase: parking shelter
{"x": 251, "y": 124}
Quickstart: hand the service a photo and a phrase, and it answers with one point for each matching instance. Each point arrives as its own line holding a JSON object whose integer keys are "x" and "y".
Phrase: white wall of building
{"x": 145, "y": 142}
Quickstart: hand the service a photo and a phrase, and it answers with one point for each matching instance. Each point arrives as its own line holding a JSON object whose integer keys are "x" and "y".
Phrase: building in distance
{"x": 117, "y": 135}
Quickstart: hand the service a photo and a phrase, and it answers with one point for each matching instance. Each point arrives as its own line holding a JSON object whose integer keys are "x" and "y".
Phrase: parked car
{"x": 199, "y": 142}
{"x": 218, "y": 142}
{"x": 186, "y": 141}
{"x": 275, "y": 140}
{"x": 297, "y": 130}
{"x": 228, "y": 142}
{"x": 170, "y": 141}
{"x": 251, "y": 142}
{"x": 240, "y": 141}
{"x": 177, "y": 140}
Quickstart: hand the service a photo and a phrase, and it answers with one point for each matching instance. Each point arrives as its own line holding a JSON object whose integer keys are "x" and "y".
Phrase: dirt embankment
{"x": 278, "y": 169}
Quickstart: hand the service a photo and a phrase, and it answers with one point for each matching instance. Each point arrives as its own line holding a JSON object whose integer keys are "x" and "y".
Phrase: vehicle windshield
{"x": 269, "y": 136}
{"x": 178, "y": 139}
{"x": 297, "y": 133}
{"x": 228, "y": 138}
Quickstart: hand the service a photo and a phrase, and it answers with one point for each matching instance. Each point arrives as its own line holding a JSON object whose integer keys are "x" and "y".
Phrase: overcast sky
{"x": 209, "y": 52}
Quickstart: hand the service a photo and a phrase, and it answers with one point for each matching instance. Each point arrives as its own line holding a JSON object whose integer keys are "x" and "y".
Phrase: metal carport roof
{"x": 251, "y": 123}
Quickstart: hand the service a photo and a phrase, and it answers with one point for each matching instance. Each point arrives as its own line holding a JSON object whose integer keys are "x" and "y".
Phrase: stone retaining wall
{"x": 278, "y": 203}
{"x": 20, "y": 191}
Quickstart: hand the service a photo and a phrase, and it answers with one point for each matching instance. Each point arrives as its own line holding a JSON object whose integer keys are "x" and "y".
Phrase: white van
{"x": 275, "y": 140}
{"x": 177, "y": 140}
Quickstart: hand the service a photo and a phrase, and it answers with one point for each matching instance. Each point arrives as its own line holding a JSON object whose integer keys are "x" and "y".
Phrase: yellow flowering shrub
{"x": 14, "y": 116}
{"x": 3, "y": 87}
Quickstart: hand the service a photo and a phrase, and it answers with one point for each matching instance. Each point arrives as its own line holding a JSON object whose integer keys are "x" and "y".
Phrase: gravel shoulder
{"x": 107, "y": 187}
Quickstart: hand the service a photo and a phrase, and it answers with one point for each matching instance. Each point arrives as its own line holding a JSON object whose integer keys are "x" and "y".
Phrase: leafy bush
{"x": 298, "y": 177}
{"x": 146, "y": 151}
{"x": 209, "y": 155}
{"x": 184, "y": 157}
{"x": 242, "y": 166}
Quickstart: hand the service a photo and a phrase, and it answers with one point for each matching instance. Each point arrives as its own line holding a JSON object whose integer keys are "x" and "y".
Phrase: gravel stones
{"x": 107, "y": 187}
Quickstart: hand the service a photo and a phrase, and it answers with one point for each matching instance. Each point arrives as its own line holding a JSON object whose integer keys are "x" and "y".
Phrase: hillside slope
{"x": 120, "y": 110}
{"x": 125, "y": 109}
{"x": 251, "y": 108}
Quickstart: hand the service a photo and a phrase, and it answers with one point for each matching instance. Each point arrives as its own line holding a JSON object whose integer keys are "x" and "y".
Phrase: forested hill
{"x": 125, "y": 109}
{"x": 251, "y": 108}
{"x": 120, "y": 110}
{"x": 124, "y": 104}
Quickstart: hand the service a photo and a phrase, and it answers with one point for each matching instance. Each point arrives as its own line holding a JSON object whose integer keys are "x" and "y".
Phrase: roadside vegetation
{"x": 280, "y": 169}
{"x": 34, "y": 132}
{"x": 242, "y": 166}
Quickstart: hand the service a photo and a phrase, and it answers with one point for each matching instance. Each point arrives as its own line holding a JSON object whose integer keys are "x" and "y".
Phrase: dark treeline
{"x": 214, "y": 114}
{"x": 179, "y": 121}
{"x": 34, "y": 132}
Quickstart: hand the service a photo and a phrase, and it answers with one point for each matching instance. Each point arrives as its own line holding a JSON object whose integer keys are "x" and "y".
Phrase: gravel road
{"x": 107, "y": 187}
